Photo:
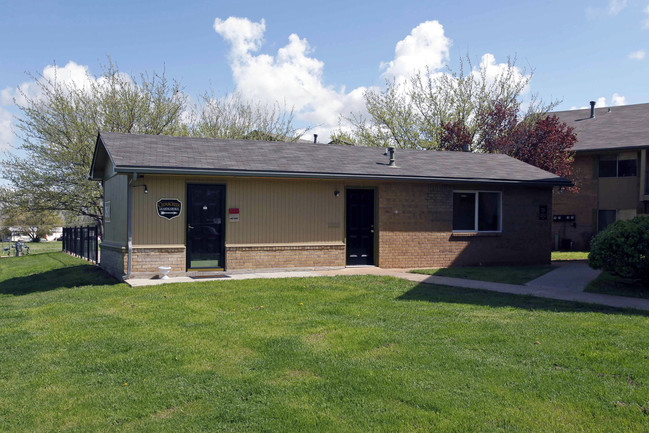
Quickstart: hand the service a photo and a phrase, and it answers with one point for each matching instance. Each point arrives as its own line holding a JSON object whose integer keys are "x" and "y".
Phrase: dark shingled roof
{"x": 624, "y": 127}
{"x": 163, "y": 154}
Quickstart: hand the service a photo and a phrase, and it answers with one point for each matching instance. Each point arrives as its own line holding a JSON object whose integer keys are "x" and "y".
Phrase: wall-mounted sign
{"x": 543, "y": 212}
{"x": 168, "y": 207}
{"x": 233, "y": 214}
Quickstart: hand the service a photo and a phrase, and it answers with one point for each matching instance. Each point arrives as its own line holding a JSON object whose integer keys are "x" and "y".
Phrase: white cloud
{"x": 294, "y": 76}
{"x": 244, "y": 35}
{"x": 617, "y": 100}
{"x": 70, "y": 76}
{"x": 6, "y": 96}
{"x": 425, "y": 47}
{"x": 494, "y": 70}
{"x": 6, "y": 132}
{"x": 616, "y": 6}
{"x": 637, "y": 55}
{"x": 646, "y": 21}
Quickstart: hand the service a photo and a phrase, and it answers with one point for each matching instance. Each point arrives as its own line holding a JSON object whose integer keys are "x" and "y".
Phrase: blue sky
{"x": 580, "y": 51}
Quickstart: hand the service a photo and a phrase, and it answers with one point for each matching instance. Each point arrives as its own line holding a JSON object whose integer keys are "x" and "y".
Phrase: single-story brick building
{"x": 201, "y": 205}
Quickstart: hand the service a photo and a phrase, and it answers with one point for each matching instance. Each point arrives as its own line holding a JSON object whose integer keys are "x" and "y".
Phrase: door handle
{"x": 190, "y": 227}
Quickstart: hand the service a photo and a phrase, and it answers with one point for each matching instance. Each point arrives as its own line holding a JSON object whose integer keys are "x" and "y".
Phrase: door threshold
{"x": 361, "y": 266}
{"x": 204, "y": 269}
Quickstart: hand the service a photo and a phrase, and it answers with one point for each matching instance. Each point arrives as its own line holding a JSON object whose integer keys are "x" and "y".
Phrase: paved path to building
{"x": 565, "y": 283}
{"x": 572, "y": 276}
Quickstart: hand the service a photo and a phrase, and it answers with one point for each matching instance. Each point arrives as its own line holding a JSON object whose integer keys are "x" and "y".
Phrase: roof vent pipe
{"x": 592, "y": 109}
{"x": 315, "y": 138}
{"x": 391, "y": 151}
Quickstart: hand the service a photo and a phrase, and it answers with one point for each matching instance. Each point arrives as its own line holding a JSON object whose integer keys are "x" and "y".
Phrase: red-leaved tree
{"x": 541, "y": 140}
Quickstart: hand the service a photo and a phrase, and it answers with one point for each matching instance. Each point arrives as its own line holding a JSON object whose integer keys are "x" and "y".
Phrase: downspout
{"x": 129, "y": 225}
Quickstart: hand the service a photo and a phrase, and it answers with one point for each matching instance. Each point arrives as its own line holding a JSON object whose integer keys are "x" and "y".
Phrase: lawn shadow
{"x": 68, "y": 277}
{"x": 461, "y": 295}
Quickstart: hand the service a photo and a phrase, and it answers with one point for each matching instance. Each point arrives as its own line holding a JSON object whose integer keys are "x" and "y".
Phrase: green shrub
{"x": 623, "y": 249}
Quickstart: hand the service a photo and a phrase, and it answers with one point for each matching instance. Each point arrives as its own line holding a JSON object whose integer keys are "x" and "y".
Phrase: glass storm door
{"x": 205, "y": 226}
{"x": 360, "y": 226}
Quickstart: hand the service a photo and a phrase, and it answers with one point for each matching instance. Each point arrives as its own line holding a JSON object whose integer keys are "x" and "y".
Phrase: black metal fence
{"x": 81, "y": 242}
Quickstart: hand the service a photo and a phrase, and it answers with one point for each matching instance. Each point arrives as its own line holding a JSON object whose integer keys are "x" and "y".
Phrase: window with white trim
{"x": 477, "y": 211}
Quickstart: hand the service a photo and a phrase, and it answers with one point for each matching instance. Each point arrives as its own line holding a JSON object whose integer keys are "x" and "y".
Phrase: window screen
{"x": 627, "y": 167}
{"x": 488, "y": 211}
{"x": 464, "y": 211}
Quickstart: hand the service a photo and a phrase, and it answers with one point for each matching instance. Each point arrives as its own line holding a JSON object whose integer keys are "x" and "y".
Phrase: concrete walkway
{"x": 569, "y": 276}
{"x": 565, "y": 283}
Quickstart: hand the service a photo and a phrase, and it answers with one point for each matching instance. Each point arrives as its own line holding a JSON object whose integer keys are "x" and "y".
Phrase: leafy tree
{"x": 470, "y": 109}
{"x": 35, "y": 224}
{"x": 234, "y": 117}
{"x": 59, "y": 127}
{"x": 5, "y": 234}
{"x": 340, "y": 136}
{"x": 540, "y": 140}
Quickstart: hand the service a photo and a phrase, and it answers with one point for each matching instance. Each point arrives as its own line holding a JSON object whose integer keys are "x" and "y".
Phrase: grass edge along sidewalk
{"x": 498, "y": 274}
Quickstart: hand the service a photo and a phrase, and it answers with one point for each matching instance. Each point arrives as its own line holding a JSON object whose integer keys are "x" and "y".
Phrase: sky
{"x": 320, "y": 57}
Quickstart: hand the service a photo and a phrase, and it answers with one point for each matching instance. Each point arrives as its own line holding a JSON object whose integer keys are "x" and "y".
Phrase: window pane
{"x": 489, "y": 211}
{"x": 604, "y": 219}
{"x": 463, "y": 211}
{"x": 608, "y": 166}
{"x": 627, "y": 167}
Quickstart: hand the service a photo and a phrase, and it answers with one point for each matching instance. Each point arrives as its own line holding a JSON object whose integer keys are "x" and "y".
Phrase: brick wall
{"x": 113, "y": 260}
{"x": 147, "y": 260}
{"x": 415, "y": 222}
{"x": 285, "y": 257}
{"x": 582, "y": 204}
{"x": 144, "y": 261}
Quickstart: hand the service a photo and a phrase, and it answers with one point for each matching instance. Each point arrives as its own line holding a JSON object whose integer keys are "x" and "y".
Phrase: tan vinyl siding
{"x": 148, "y": 227}
{"x": 272, "y": 211}
{"x": 115, "y": 192}
{"x": 288, "y": 212}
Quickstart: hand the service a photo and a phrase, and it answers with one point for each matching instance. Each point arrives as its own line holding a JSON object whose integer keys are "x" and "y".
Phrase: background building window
{"x": 608, "y": 166}
{"x": 623, "y": 165}
{"x": 476, "y": 211}
{"x": 605, "y": 218}
{"x": 627, "y": 167}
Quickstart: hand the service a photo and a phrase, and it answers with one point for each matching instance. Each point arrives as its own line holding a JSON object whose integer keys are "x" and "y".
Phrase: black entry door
{"x": 360, "y": 226}
{"x": 205, "y": 226}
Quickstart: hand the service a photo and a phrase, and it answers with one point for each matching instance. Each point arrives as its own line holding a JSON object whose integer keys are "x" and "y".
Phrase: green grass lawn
{"x": 79, "y": 353}
{"x": 497, "y": 274}
{"x": 612, "y": 285}
{"x": 569, "y": 255}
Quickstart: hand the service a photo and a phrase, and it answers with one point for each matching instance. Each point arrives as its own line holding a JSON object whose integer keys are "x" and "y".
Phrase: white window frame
{"x": 475, "y": 219}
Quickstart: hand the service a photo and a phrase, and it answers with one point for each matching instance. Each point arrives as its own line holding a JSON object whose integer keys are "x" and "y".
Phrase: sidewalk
{"x": 565, "y": 283}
